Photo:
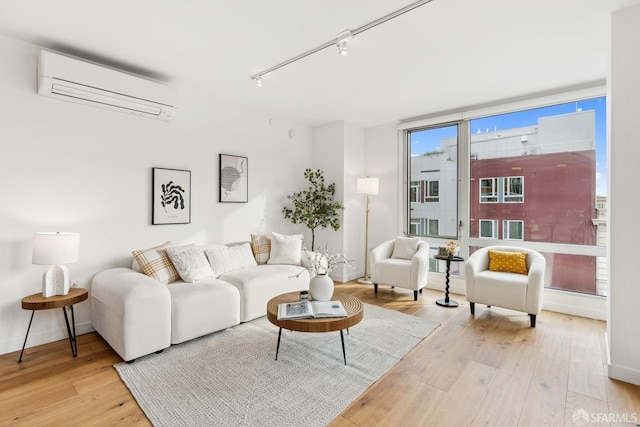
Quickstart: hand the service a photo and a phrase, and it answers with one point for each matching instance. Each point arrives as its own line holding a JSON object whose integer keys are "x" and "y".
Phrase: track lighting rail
{"x": 340, "y": 40}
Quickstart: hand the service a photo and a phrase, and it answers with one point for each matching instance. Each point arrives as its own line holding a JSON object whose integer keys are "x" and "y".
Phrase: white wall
{"x": 328, "y": 156}
{"x": 338, "y": 150}
{"x": 624, "y": 292}
{"x": 354, "y": 203}
{"x": 68, "y": 167}
{"x": 382, "y": 161}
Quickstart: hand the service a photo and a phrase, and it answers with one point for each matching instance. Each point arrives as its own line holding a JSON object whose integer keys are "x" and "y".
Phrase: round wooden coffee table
{"x": 352, "y": 305}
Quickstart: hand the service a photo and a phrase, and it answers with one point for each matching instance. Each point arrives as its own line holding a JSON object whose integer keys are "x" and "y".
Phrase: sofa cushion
{"x": 285, "y": 249}
{"x": 261, "y": 247}
{"x": 490, "y": 285}
{"x": 258, "y": 284}
{"x": 201, "y": 308}
{"x": 512, "y": 262}
{"x": 405, "y": 247}
{"x": 190, "y": 262}
{"x": 155, "y": 262}
{"x": 230, "y": 258}
{"x": 393, "y": 271}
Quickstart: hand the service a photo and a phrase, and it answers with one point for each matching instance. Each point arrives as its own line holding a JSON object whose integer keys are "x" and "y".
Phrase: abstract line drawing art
{"x": 234, "y": 179}
{"x": 171, "y": 196}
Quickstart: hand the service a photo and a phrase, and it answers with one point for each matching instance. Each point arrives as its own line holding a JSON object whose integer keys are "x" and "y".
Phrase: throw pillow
{"x": 261, "y": 247}
{"x": 405, "y": 247}
{"x": 285, "y": 249}
{"x": 230, "y": 258}
{"x": 190, "y": 262}
{"x": 155, "y": 262}
{"x": 513, "y": 262}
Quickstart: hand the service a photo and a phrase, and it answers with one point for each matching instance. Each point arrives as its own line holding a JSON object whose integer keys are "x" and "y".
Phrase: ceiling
{"x": 444, "y": 55}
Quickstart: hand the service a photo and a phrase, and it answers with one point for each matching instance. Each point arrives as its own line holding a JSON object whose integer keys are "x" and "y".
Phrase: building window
{"x": 514, "y": 189}
{"x": 431, "y": 191}
{"x": 433, "y": 225}
{"x": 414, "y": 191}
{"x": 414, "y": 227}
{"x": 513, "y": 230}
{"x": 489, "y": 228}
{"x": 489, "y": 190}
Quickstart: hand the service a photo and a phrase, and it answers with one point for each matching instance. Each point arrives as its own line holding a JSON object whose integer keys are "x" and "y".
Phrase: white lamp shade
{"x": 367, "y": 185}
{"x": 55, "y": 248}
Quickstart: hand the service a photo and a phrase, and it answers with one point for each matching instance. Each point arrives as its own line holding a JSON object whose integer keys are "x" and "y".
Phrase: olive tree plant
{"x": 314, "y": 207}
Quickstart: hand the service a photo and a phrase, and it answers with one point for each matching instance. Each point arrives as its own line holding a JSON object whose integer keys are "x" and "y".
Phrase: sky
{"x": 429, "y": 140}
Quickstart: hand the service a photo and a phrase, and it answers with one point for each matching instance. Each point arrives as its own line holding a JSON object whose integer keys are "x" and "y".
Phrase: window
{"x": 514, "y": 189}
{"x": 414, "y": 191}
{"x": 417, "y": 225}
{"x": 489, "y": 228}
{"x": 489, "y": 190}
{"x": 559, "y": 149}
{"x": 433, "y": 227}
{"x": 414, "y": 227}
{"x": 561, "y": 152}
{"x": 512, "y": 230}
{"x": 432, "y": 175}
{"x": 431, "y": 191}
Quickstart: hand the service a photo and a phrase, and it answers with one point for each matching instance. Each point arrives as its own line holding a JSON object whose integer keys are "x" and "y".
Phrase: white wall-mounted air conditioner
{"x": 72, "y": 80}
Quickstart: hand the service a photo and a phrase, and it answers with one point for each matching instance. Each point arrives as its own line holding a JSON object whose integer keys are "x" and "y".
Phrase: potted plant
{"x": 314, "y": 207}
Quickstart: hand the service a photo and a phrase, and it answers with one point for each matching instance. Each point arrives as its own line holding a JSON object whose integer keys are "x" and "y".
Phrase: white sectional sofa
{"x": 138, "y": 314}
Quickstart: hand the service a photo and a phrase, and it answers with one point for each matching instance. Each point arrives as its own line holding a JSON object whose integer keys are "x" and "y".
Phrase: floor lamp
{"x": 367, "y": 186}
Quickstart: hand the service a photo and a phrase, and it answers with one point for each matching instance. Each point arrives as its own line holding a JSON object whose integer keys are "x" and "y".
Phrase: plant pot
{"x": 321, "y": 287}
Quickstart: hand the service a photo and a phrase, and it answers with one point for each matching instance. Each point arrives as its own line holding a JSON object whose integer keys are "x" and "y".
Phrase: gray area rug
{"x": 230, "y": 378}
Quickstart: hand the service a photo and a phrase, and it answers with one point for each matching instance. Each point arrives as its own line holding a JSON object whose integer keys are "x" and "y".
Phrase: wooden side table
{"x": 38, "y": 302}
{"x": 446, "y": 302}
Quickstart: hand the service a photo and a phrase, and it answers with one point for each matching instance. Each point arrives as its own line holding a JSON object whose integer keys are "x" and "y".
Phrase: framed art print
{"x": 234, "y": 179}
{"x": 171, "y": 196}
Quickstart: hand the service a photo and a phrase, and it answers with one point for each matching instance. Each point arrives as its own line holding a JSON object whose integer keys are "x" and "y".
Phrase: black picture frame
{"x": 170, "y": 196}
{"x": 234, "y": 179}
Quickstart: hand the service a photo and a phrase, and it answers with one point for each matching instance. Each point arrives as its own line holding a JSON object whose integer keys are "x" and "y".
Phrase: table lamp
{"x": 366, "y": 186}
{"x": 54, "y": 250}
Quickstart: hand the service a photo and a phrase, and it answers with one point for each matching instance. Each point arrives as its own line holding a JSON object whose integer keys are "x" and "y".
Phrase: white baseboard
{"x": 583, "y": 305}
{"x": 623, "y": 373}
{"x": 438, "y": 282}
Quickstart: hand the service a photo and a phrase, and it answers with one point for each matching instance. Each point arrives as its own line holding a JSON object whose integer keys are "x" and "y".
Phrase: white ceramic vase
{"x": 321, "y": 287}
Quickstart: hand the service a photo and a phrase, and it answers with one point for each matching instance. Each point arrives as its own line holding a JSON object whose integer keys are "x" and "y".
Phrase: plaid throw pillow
{"x": 155, "y": 262}
{"x": 261, "y": 247}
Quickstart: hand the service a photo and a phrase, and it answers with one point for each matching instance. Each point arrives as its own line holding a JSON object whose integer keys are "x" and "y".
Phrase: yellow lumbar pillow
{"x": 513, "y": 262}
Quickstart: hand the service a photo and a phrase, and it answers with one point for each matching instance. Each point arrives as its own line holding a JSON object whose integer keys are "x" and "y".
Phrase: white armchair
{"x": 514, "y": 291}
{"x": 408, "y": 273}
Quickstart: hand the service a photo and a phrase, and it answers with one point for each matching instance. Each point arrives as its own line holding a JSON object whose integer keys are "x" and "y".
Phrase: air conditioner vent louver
{"x": 81, "y": 82}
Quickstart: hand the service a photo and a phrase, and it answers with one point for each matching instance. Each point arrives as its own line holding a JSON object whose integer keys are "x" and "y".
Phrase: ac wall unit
{"x": 72, "y": 80}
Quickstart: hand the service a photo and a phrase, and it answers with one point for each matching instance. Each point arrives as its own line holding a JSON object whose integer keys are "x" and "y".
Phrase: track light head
{"x": 258, "y": 80}
{"x": 342, "y": 40}
{"x": 342, "y": 48}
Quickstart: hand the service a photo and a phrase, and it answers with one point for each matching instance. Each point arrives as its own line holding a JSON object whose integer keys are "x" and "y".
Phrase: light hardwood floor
{"x": 487, "y": 370}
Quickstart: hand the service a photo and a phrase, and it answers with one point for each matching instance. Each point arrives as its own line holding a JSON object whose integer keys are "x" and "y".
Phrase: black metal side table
{"x": 446, "y": 302}
{"x": 38, "y": 302}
